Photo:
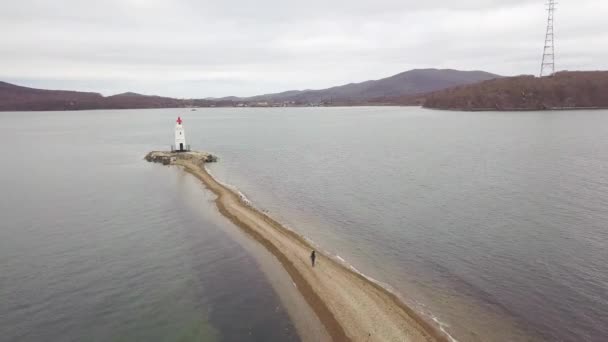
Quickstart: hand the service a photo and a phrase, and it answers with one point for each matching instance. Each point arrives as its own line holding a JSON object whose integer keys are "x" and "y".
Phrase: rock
{"x": 211, "y": 159}
{"x": 169, "y": 158}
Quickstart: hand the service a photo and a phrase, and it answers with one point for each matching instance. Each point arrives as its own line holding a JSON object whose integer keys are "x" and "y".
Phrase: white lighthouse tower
{"x": 180, "y": 136}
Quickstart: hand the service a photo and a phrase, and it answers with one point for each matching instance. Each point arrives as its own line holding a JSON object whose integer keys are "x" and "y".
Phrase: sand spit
{"x": 351, "y": 307}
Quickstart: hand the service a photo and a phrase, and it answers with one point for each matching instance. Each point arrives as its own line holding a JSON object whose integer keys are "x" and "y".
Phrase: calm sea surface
{"x": 493, "y": 224}
{"x": 98, "y": 245}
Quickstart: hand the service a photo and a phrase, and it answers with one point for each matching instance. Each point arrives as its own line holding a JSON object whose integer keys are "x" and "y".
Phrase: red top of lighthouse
{"x": 179, "y": 120}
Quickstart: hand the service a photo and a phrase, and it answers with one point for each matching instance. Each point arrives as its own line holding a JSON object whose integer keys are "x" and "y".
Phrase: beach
{"x": 350, "y": 306}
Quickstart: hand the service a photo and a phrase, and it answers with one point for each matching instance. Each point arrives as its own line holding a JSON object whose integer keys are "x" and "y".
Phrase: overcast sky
{"x": 200, "y": 48}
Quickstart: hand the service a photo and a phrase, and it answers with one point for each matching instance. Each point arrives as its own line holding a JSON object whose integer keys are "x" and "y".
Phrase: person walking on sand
{"x": 313, "y": 256}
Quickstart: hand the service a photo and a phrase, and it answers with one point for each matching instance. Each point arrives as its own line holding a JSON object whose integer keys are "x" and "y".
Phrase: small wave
{"x": 244, "y": 198}
{"x": 241, "y": 195}
{"x": 442, "y": 326}
{"x": 353, "y": 268}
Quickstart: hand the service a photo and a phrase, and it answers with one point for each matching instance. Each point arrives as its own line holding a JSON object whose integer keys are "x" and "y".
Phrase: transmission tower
{"x": 547, "y": 67}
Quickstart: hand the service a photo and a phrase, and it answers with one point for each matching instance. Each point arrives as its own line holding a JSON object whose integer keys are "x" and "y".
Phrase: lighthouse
{"x": 180, "y": 136}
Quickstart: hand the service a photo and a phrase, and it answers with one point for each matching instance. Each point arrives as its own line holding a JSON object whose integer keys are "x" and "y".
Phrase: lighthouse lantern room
{"x": 180, "y": 137}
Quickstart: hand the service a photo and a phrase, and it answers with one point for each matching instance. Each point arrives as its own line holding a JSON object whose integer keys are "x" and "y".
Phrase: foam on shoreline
{"x": 351, "y": 305}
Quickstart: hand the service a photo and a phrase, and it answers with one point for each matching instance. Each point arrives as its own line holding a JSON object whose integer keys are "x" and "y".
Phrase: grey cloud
{"x": 213, "y": 48}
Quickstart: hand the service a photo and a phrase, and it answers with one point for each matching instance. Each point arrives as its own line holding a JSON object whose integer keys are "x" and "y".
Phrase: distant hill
{"x": 18, "y": 98}
{"x": 419, "y": 81}
{"x": 13, "y": 97}
{"x": 383, "y": 91}
{"x": 564, "y": 90}
{"x": 135, "y": 101}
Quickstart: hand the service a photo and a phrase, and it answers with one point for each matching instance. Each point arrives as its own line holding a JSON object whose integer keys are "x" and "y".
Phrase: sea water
{"x": 96, "y": 244}
{"x": 491, "y": 224}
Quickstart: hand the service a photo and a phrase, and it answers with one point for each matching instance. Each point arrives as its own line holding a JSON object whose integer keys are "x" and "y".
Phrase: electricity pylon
{"x": 547, "y": 67}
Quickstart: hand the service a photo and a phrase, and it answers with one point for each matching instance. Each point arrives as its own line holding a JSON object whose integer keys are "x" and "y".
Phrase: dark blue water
{"x": 98, "y": 245}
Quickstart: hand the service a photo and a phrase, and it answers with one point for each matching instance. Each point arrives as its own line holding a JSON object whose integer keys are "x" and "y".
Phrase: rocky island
{"x": 168, "y": 158}
{"x": 350, "y": 306}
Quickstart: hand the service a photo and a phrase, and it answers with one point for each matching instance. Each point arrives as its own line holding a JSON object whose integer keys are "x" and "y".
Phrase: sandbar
{"x": 350, "y": 306}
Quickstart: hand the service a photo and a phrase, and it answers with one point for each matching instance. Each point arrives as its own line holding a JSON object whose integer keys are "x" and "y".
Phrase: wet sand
{"x": 351, "y": 307}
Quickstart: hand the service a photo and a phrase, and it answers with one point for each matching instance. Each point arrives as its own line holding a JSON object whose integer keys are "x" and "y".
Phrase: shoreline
{"x": 507, "y": 110}
{"x": 349, "y": 305}
{"x": 397, "y": 105}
